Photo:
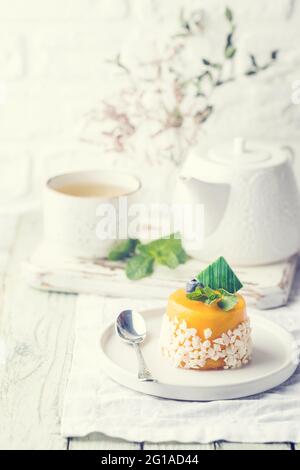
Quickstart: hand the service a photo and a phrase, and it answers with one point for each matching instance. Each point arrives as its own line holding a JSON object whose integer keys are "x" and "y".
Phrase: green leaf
{"x": 225, "y": 293}
{"x": 182, "y": 256}
{"x": 229, "y": 14}
{"x": 204, "y": 294}
{"x": 165, "y": 251}
{"x": 214, "y": 65}
{"x": 230, "y": 52}
{"x": 139, "y": 266}
{"x": 219, "y": 275}
{"x": 169, "y": 259}
{"x": 228, "y": 302}
{"x": 141, "y": 258}
{"x": 225, "y": 300}
{"x": 210, "y": 293}
{"x": 253, "y": 60}
{"x": 229, "y": 40}
{"x": 123, "y": 249}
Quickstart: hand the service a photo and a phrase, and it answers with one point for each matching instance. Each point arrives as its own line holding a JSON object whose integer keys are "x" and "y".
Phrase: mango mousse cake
{"x": 206, "y": 326}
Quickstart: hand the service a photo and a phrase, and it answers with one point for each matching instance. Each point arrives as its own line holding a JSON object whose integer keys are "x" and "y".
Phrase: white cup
{"x": 71, "y": 223}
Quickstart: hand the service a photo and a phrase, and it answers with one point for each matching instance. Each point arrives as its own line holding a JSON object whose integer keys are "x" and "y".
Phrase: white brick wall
{"x": 53, "y": 70}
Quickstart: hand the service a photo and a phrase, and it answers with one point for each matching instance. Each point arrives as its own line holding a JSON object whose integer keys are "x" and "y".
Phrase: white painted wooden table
{"x": 37, "y": 330}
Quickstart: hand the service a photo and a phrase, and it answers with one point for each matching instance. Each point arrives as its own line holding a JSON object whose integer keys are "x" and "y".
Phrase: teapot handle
{"x": 291, "y": 152}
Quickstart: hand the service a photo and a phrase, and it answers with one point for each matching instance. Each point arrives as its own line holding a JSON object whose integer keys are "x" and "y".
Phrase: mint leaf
{"x": 205, "y": 295}
{"x": 209, "y": 296}
{"x": 165, "y": 251}
{"x": 227, "y": 303}
{"x": 182, "y": 256}
{"x": 169, "y": 259}
{"x": 123, "y": 249}
{"x": 225, "y": 293}
{"x": 197, "y": 296}
{"x": 139, "y": 266}
{"x": 219, "y": 275}
{"x": 210, "y": 293}
{"x": 141, "y": 257}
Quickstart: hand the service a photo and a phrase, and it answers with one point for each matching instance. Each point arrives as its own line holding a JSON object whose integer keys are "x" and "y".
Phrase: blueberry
{"x": 192, "y": 285}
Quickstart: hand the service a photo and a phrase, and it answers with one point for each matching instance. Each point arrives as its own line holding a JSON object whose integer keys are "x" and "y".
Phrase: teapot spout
{"x": 206, "y": 170}
{"x": 205, "y": 182}
{"x": 213, "y": 197}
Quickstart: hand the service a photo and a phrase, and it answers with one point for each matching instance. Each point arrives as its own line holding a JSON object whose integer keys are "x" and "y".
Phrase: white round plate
{"x": 272, "y": 364}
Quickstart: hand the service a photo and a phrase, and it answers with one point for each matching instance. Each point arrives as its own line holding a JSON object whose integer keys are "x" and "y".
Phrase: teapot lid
{"x": 250, "y": 154}
{"x": 240, "y": 154}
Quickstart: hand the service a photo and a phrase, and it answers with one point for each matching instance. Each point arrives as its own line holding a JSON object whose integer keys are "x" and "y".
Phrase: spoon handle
{"x": 144, "y": 374}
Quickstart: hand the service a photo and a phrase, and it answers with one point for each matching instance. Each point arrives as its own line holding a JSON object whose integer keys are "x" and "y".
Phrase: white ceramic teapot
{"x": 251, "y": 203}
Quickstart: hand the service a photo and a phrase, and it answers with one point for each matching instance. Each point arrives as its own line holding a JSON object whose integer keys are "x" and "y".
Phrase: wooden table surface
{"x": 36, "y": 334}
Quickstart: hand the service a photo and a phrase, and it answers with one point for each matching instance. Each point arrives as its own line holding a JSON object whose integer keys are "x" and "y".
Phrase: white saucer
{"x": 272, "y": 364}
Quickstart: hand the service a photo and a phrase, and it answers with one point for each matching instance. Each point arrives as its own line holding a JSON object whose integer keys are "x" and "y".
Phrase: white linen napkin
{"x": 94, "y": 403}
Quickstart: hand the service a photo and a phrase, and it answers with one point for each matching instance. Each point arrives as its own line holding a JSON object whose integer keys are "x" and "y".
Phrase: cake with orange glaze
{"x": 207, "y": 327}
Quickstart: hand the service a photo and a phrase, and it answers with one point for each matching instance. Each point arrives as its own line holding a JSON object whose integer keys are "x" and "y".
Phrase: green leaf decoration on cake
{"x": 228, "y": 301}
{"x": 216, "y": 284}
{"x": 204, "y": 294}
{"x": 219, "y": 275}
{"x": 208, "y": 296}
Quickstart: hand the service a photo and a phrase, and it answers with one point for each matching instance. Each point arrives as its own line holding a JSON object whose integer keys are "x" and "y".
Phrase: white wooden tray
{"x": 273, "y": 362}
{"x": 265, "y": 287}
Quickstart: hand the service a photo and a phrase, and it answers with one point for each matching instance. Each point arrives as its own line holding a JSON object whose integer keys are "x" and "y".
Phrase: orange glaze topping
{"x": 201, "y": 316}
